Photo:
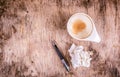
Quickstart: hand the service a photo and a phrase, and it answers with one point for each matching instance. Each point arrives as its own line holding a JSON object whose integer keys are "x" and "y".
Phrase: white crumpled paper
{"x": 79, "y": 57}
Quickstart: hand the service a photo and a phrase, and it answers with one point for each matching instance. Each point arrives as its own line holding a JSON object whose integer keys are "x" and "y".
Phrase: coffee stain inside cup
{"x": 78, "y": 26}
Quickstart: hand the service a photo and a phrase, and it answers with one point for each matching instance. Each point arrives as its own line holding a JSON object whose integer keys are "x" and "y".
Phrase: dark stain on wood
{"x": 99, "y": 66}
{"x": 105, "y": 68}
{"x": 18, "y": 72}
{"x": 102, "y": 6}
{"x": 102, "y": 68}
{"x": 115, "y": 2}
{"x": 1, "y": 56}
{"x": 114, "y": 72}
{"x": 5, "y": 35}
{"x": 60, "y": 20}
{"x": 5, "y": 9}
{"x": 13, "y": 70}
{"x": 102, "y": 10}
{"x": 96, "y": 56}
{"x": 59, "y": 3}
{"x": 5, "y": 70}
{"x": 87, "y": 3}
{"x": 63, "y": 20}
{"x": 77, "y": 3}
{"x": 3, "y": 6}
{"x": 22, "y": 6}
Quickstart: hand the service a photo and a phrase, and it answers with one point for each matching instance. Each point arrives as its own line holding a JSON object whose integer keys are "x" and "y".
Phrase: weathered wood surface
{"x": 28, "y": 26}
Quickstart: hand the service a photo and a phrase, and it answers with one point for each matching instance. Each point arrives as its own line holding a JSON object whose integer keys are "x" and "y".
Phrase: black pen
{"x": 60, "y": 56}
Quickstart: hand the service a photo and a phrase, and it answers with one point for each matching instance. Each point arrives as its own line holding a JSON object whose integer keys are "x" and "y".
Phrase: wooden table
{"x": 28, "y": 26}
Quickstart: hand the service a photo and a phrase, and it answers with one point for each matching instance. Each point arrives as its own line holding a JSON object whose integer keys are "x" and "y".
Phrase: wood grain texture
{"x": 28, "y": 26}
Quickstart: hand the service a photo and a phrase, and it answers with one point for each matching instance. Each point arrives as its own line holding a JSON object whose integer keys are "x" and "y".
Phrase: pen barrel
{"x": 65, "y": 65}
{"x": 58, "y": 52}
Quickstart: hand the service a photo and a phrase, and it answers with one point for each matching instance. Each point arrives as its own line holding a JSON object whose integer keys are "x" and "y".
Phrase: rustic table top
{"x": 28, "y": 26}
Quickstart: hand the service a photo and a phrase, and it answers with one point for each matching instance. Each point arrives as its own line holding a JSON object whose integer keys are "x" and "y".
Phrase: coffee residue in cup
{"x": 78, "y": 26}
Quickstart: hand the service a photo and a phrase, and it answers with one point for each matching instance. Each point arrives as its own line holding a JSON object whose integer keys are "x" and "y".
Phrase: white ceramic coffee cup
{"x": 89, "y": 33}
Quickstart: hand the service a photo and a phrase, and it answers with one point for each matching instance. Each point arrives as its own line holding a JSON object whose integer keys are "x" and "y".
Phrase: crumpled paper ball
{"x": 79, "y": 57}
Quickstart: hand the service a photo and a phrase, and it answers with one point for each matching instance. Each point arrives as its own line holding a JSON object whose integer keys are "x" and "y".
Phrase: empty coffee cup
{"x": 81, "y": 27}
